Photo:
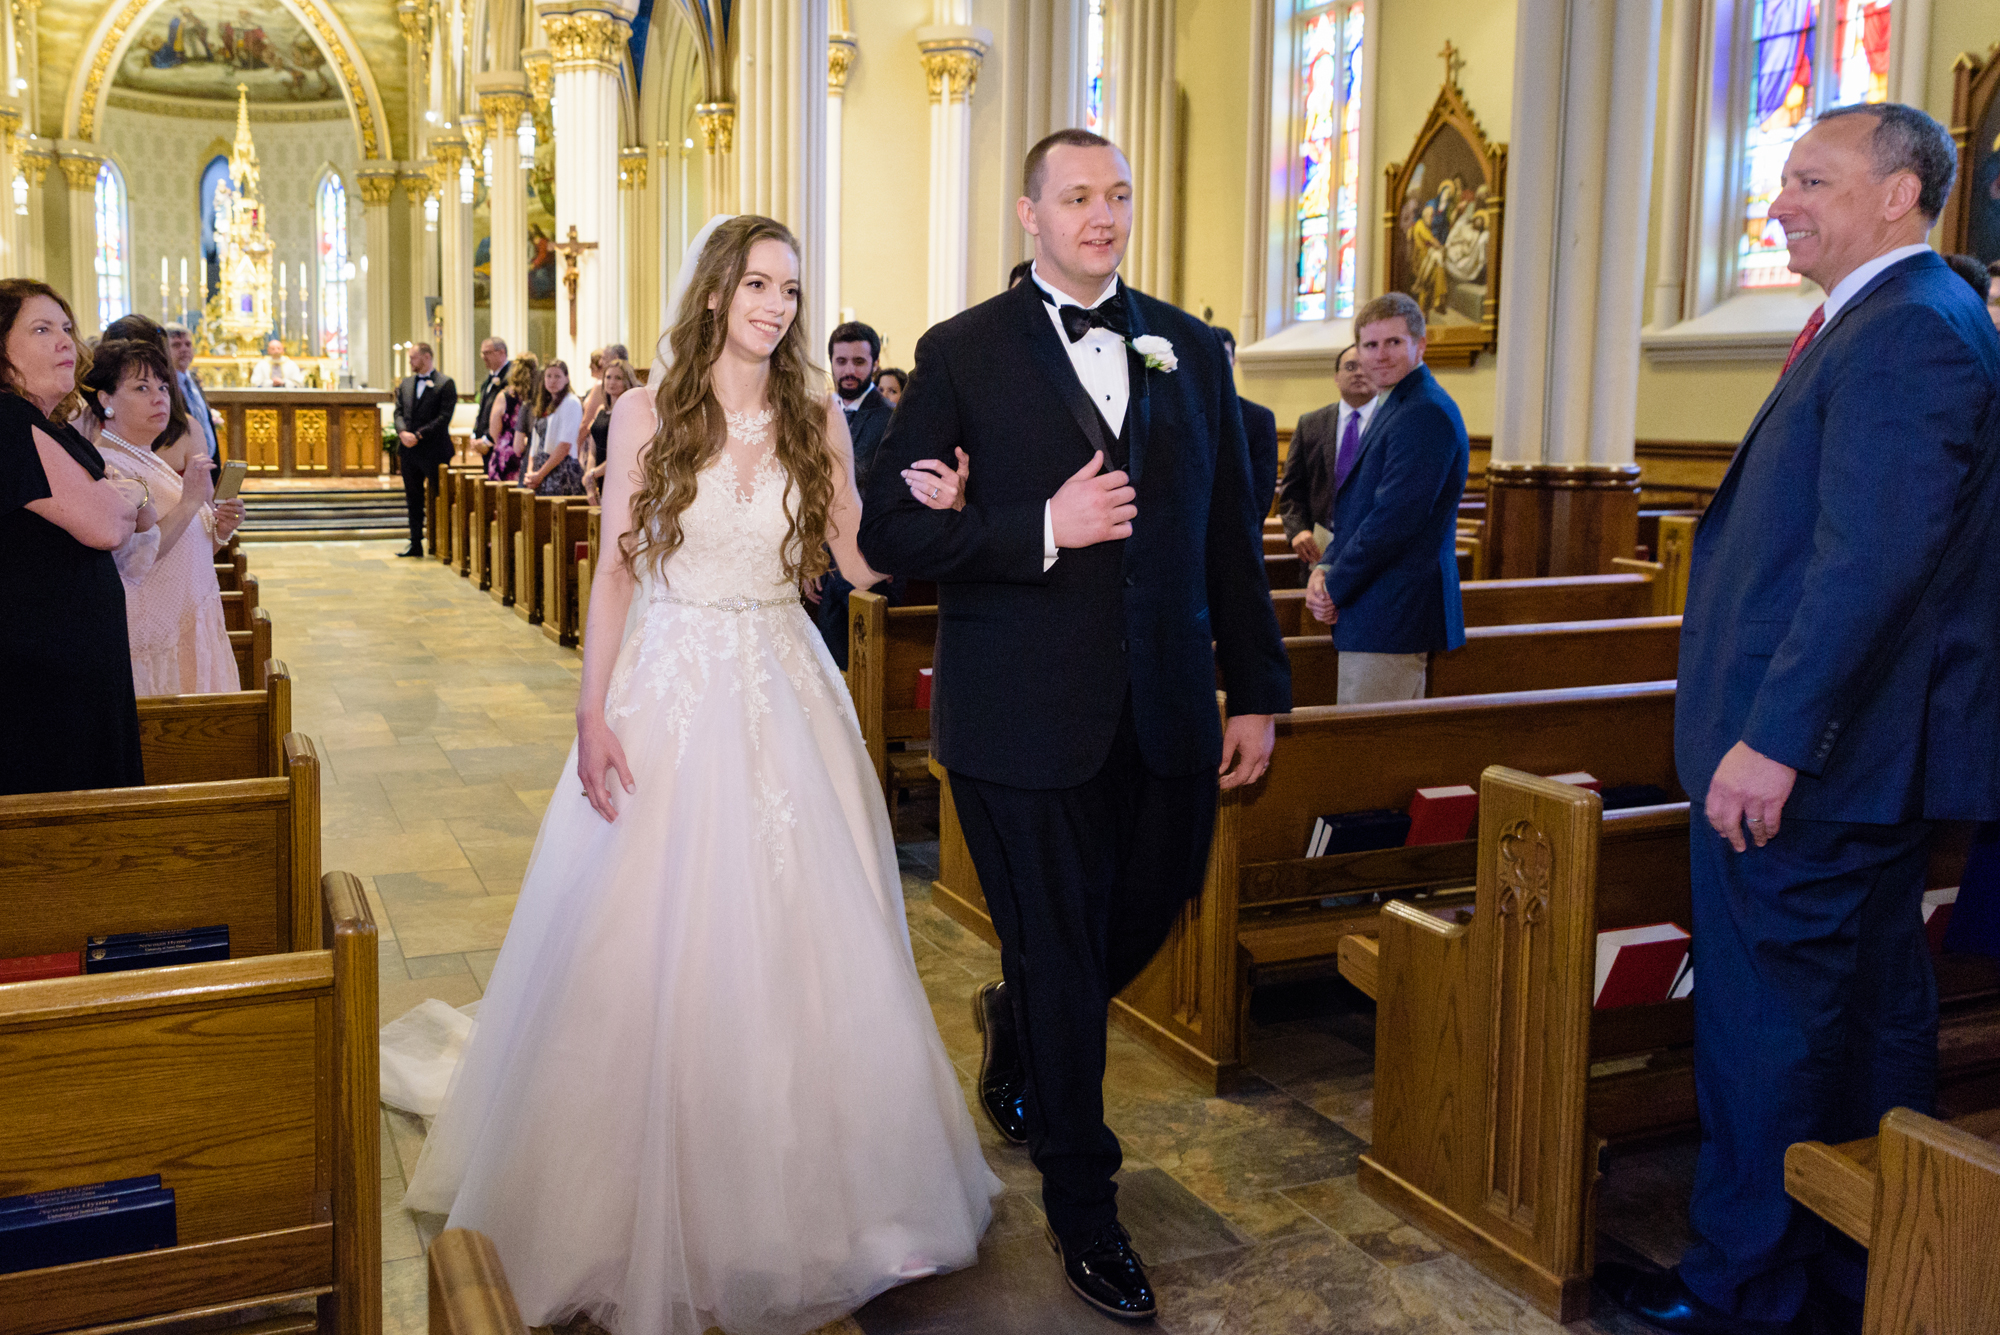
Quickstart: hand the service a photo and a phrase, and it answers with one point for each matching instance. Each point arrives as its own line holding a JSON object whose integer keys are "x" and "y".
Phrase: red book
{"x": 1442, "y": 815}
{"x": 923, "y": 688}
{"x": 1937, "y": 916}
{"x": 1638, "y": 966}
{"x": 27, "y": 968}
{"x": 1579, "y": 779}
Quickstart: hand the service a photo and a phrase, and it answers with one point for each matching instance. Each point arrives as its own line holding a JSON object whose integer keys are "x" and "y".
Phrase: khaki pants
{"x": 1367, "y": 679}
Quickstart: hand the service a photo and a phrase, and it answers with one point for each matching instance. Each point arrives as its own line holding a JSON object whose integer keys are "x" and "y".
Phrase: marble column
{"x": 841, "y": 48}
{"x": 371, "y": 361}
{"x": 454, "y": 313}
{"x": 1145, "y": 121}
{"x": 1040, "y": 85}
{"x": 586, "y": 43}
{"x": 1562, "y": 486}
{"x": 420, "y": 283}
{"x": 79, "y": 168}
{"x": 638, "y": 250}
{"x": 951, "y": 53}
{"x": 35, "y": 162}
{"x": 13, "y": 245}
{"x": 503, "y": 98}
{"x": 781, "y": 130}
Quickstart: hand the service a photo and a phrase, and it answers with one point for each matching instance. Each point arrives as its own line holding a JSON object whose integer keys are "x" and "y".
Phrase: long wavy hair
{"x": 692, "y": 430}
{"x": 15, "y": 293}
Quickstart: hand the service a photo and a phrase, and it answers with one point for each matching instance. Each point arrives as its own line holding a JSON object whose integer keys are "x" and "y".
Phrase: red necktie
{"x": 1805, "y": 337}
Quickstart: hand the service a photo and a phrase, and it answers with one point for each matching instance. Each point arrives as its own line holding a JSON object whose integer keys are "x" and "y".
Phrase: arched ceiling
{"x": 220, "y": 43}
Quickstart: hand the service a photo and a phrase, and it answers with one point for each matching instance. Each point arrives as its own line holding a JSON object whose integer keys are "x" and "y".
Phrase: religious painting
{"x": 1972, "y": 214}
{"x": 1442, "y": 220}
{"x": 204, "y": 48}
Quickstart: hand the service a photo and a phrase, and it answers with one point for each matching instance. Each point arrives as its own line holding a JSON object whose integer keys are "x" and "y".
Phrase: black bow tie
{"x": 1080, "y": 320}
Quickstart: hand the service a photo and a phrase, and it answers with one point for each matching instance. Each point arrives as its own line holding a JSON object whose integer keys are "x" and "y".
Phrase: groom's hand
{"x": 1247, "y": 741}
{"x": 1092, "y": 507}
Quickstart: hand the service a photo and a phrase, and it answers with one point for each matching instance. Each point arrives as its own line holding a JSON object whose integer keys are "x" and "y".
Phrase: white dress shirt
{"x": 1347, "y": 412}
{"x": 1099, "y": 359}
{"x": 286, "y": 375}
{"x": 1843, "y": 291}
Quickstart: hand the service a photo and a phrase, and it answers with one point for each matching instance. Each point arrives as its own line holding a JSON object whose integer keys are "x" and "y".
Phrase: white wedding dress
{"x": 704, "y": 1087}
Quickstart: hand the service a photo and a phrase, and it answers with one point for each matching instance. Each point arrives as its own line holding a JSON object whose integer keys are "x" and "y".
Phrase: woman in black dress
{"x": 62, "y": 615}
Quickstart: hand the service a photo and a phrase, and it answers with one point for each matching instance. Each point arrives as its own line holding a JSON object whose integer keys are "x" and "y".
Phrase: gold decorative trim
{"x": 376, "y": 186}
{"x": 841, "y": 49}
{"x": 34, "y": 164}
{"x": 578, "y": 41}
{"x": 718, "y": 125}
{"x": 260, "y": 439}
{"x": 80, "y": 169}
{"x": 207, "y": 109}
{"x": 309, "y": 440}
{"x": 100, "y": 63}
{"x": 541, "y": 77}
{"x": 503, "y": 111}
{"x": 448, "y": 150}
{"x": 632, "y": 163}
{"x": 951, "y": 67}
{"x": 364, "y": 111}
{"x": 10, "y": 128}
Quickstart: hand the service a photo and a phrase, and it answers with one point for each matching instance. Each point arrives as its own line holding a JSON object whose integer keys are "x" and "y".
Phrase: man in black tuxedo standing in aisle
{"x": 424, "y": 403}
{"x": 854, "y": 348}
{"x": 493, "y": 355}
{"x": 1105, "y": 562}
{"x": 1260, "y": 432}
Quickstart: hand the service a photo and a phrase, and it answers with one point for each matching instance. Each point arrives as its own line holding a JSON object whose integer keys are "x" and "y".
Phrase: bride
{"x": 704, "y": 1088}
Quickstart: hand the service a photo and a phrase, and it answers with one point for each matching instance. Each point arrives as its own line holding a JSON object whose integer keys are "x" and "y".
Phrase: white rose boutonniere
{"x": 1157, "y": 351}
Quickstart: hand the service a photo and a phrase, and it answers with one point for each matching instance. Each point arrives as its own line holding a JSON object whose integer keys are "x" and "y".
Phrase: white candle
{"x": 163, "y": 271}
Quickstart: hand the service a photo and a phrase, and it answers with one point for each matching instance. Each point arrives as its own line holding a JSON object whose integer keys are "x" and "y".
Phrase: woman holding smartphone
{"x": 173, "y": 605}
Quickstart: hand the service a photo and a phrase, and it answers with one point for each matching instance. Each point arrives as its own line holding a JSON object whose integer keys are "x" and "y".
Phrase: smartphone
{"x": 231, "y": 480}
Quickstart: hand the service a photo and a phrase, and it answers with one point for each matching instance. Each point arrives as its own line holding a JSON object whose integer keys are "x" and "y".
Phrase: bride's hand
{"x": 938, "y": 487}
{"x": 597, "y": 750}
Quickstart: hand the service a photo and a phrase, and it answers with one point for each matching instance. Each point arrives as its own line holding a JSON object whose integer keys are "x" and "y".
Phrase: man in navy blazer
{"x": 1388, "y": 581}
{"x": 1839, "y": 691}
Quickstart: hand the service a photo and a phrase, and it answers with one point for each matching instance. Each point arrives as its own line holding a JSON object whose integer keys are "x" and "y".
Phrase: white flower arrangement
{"x": 1157, "y": 351}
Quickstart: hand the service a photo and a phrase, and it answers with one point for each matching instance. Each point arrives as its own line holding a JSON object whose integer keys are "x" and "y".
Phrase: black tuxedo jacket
{"x": 429, "y": 417}
{"x": 1034, "y": 666}
{"x": 867, "y": 424}
{"x": 1260, "y": 432}
{"x": 493, "y": 386}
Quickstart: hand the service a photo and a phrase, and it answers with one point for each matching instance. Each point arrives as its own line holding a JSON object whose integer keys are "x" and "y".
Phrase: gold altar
{"x": 302, "y": 432}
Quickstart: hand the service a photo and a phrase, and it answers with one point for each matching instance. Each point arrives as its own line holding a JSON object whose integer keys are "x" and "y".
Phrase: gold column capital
{"x": 841, "y": 49}
{"x": 410, "y": 16}
{"x": 503, "y": 110}
{"x": 718, "y": 125}
{"x": 541, "y": 77}
{"x": 951, "y": 58}
{"x": 10, "y": 127}
{"x": 35, "y": 163}
{"x": 632, "y": 164}
{"x": 585, "y": 38}
{"x": 376, "y": 186}
{"x": 448, "y": 149}
{"x": 80, "y": 169}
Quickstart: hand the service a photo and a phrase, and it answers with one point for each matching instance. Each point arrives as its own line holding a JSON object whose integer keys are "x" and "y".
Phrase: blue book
{"x": 65, "y": 1196}
{"x": 117, "y": 939}
{"x": 155, "y": 950}
{"x": 142, "y": 1221}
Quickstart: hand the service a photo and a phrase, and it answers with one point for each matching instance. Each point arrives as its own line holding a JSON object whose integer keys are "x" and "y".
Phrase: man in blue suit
{"x": 1388, "y": 581}
{"x": 1839, "y": 691}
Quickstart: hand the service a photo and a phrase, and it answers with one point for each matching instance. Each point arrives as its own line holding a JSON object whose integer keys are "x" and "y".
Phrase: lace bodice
{"x": 732, "y": 537}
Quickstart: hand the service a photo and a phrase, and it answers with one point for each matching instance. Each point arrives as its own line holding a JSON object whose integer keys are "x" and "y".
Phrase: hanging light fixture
{"x": 486, "y": 163}
{"x": 21, "y": 198}
{"x": 430, "y": 213}
{"x": 524, "y": 137}
{"x": 465, "y": 181}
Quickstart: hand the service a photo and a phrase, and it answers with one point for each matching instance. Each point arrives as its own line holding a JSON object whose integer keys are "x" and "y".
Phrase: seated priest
{"x": 277, "y": 371}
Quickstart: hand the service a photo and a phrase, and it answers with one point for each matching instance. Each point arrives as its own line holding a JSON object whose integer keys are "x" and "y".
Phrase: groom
{"x": 1106, "y": 560}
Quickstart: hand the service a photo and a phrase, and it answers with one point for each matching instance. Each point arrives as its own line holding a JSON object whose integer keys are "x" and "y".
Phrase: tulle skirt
{"x": 704, "y": 1087}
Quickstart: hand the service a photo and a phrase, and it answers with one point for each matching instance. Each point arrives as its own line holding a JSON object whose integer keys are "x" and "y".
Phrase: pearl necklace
{"x": 117, "y": 439}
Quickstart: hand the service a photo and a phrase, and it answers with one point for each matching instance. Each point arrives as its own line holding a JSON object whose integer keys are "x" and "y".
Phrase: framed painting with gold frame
{"x": 1442, "y": 220}
{"x": 1972, "y": 214}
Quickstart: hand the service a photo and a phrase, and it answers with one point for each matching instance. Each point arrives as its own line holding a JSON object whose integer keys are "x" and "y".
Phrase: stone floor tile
{"x": 1168, "y": 1222}
{"x": 500, "y": 863}
{"x": 1318, "y": 1283}
{"x": 447, "y": 926}
{"x": 464, "y": 801}
{"x": 406, "y": 1297}
{"x": 481, "y": 964}
{"x": 436, "y": 966}
{"x": 414, "y": 754}
{"x": 1016, "y": 1288}
{"x": 400, "y": 994}
{"x": 399, "y": 1231}
{"x": 426, "y": 846}
{"x": 1454, "y": 1287}
{"x": 408, "y": 887}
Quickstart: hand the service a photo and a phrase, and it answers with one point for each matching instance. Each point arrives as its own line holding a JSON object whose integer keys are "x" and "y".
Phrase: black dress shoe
{"x": 1663, "y": 1302}
{"x": 413, "y": 551}
{"x": 1107, "y": 1274}
{"x": 1003, "y": 1085}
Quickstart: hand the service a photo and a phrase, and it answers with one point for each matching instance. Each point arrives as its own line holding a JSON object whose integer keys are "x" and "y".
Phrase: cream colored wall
{"x": 885, "y": 168}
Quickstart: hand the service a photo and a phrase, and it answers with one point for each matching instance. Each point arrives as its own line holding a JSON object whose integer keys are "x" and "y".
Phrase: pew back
{"x": 1498, "y": 659}
{"x": 203, "y": 738}
{"x": 1513, "y": 602}
{"x": 252, "y": 649}
{"x": 250, "y": 1086}
{"x": 886, "y": 647}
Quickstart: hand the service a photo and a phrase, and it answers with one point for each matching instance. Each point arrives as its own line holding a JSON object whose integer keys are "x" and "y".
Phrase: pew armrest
{"x": 1360, "y": 961}
{"x": 1835, "y": 1182}
{"x": 469, "y": 1294}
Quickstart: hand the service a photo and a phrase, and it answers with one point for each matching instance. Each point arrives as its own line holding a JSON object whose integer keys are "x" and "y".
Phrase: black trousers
{"x": 1083, "y": 883}
{"x": 416, "y": 477}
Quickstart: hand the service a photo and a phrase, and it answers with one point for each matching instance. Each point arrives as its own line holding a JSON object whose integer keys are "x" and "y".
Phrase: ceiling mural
{"x": 205, "y": 48}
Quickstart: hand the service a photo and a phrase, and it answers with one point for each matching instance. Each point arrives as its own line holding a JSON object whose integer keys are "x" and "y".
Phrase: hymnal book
{"x": 1637, "y": 966}
{"x": 87, "y": 1230}
{"x": 1577, "y": 778}
{"x": 1357, "y": 832}
{"x": 923, "y": 688}
{"x": 1938, "y": 906}
{"x": 28, "y": 968}
{"x": 64, "y": 1196}
{"x": 154, "y": 950}
{"x": 1625, "y": 796}
{"x": 1442, "y": 815}
{"x": 1684, "y": 983}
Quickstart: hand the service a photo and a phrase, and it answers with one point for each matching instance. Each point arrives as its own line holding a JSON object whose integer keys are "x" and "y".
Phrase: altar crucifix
{"x": 570, "y": 250}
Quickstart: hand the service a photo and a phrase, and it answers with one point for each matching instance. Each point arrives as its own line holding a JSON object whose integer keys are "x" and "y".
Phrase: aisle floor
{"x": 443, "y": 721}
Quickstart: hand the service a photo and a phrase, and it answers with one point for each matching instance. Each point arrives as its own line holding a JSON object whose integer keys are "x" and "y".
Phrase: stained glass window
{"x": 330, "y": 228}
{"x": 1093, "y": 92}
{"x": 114, "y": 260}
{"x": 1790, "y": 48}
{"x": 1329, "y": 161}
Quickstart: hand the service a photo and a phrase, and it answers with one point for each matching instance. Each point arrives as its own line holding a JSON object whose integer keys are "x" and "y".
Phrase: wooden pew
{"x": 593, "y": 526}
{"x": 437, "y": 518}
{"x": 511, "y": 505}
{"x": 569, "y": 518}
{"x": 469, "y": 1294}
{"x": 1675, "y": 553}
{"x": 1513, "y": 602}
{"x": 1489, "y": 1124}
{"x": 479, "y": 531}
{"x": 249, "y": 1085}
{"x": 240, "y": 605}
{"x": 886, "y": 647}
{"x": 205, "y": 738}
{"x": 231, "y": 566}
{"x": 531, "y": 535}
{"x": 1267, "y": 914}
{"x": 461, "y": 481}
{"x": 1921, "y": 1196}
{"x": 252, "y": 648}
{"x": 1497, "y": 659}
{"x": 244, "y": 852}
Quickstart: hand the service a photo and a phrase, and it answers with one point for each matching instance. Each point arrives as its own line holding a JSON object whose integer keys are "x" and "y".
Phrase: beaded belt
{"x": 729, "y": 604}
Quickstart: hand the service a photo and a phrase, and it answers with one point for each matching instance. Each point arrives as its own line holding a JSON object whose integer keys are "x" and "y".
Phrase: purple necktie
{"x": 1350, "y": 448}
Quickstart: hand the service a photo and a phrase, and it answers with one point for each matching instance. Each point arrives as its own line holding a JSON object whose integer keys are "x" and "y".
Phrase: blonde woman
{"x": 704, "y": 1088}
